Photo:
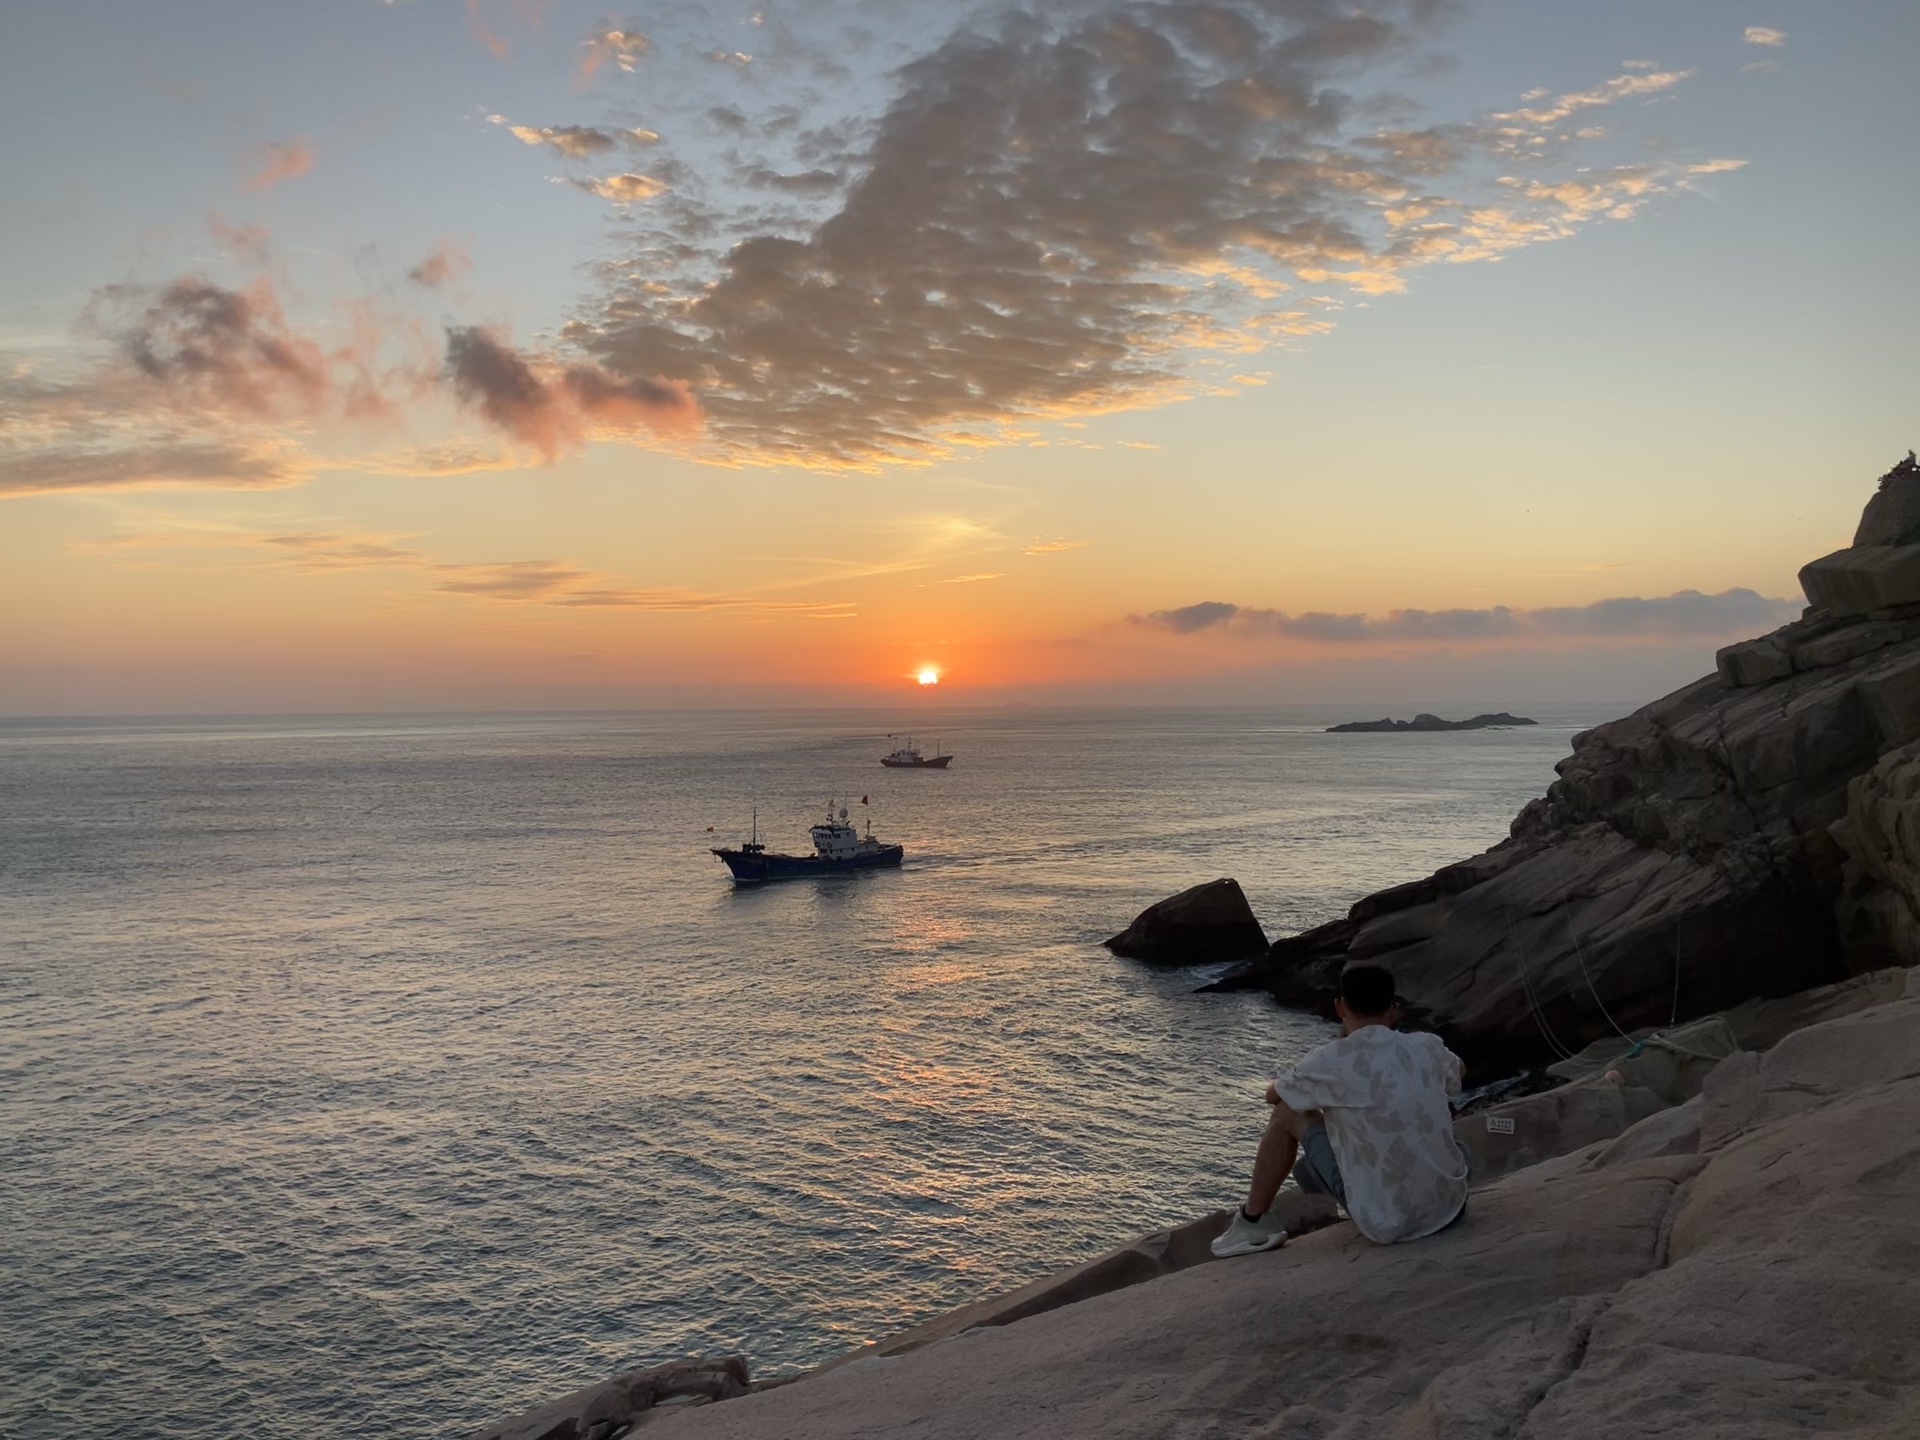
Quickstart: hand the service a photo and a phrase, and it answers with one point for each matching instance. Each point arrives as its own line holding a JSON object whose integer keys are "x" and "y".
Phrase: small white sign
{"x": 1499, "y": 1124}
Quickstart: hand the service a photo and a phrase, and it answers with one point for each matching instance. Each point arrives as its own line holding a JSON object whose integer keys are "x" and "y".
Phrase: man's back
{"x": 1384, "y": 1098}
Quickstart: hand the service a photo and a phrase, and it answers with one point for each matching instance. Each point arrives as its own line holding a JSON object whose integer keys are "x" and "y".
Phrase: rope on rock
{"x": 1526, "y": 988}
{"x": 1581, "y": 955}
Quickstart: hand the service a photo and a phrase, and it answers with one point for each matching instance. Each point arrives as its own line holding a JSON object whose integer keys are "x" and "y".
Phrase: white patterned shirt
{"x": 1384, "y": 1097}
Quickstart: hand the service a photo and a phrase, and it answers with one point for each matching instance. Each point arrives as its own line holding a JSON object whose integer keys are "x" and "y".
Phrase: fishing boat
{"x": 908, "y": 758}
{"x": 837, "y": 847}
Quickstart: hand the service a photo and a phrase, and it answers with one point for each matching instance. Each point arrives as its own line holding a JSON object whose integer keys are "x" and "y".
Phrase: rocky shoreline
{"x": 1771, "y": 1151}
{"x": 1706, "y": 938}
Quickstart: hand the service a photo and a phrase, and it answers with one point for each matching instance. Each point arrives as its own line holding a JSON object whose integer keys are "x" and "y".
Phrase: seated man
{"x": 1364, "y": 1119}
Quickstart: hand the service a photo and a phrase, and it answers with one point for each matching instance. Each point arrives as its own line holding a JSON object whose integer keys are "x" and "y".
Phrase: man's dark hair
{"x": 1367, "y": 989}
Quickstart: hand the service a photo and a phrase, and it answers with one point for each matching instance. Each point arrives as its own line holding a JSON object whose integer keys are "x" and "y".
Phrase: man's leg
{"x": 1252, "y": 1229}
{"x": 1273, "y": 1162}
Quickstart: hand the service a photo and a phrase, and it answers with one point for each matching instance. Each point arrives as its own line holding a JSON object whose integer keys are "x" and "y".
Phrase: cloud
{"x": 1686, "y": 613}
{"x": 509, "y": 579}
{"x": 576, "y": 142}
{"x": 448, "y": 261}
{"x": 197, "y": 384}
{"x": 690, "y": 602}
{"x": 200, "y": 384}
{"x": 624, "y": 48}
{"x": 1764, "y": 35}
{"x": 1073, "y": 211}
{"x": 974, "y": 579}
{"x": 426, "y": 461}
{"x": 281, "y": 160}
{"x": 623, "y": 189}
{"x": 530, "y": 582}
{"x": 163, "y": 464}
{"x": 321, "y": 551}
{"x": 528, "y": 13}
{"x": 492, "y": 377}
{"x": 551, "y": 407}
{"x": 1189, "y": 618}
{"x": 250, "y": 244}
{"x": 1621, "y": 87}
{"x": 1053, "y": 547}
{"x": 224, "y": 348}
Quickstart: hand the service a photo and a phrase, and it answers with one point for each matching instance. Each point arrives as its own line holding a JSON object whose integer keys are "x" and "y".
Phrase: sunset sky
{"x": 412, "y": 354}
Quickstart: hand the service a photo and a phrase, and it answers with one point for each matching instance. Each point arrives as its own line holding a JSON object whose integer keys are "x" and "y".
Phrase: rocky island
{"x": 1424, "y": 721}
{"x": 1708, "y": 933}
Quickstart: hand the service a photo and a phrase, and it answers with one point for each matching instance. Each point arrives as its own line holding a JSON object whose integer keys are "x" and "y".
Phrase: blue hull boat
{"x": 758, "y": 864}
{"x": 838, "y": 848}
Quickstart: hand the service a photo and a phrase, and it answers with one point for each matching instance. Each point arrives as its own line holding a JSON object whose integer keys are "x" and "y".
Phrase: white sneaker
{"x": 1249, "y": 1237}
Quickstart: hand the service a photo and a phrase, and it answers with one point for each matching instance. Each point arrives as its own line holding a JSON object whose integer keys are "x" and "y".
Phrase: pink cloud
{"x": 551, "y": 407}
{"x": 448, "y": 261}
{"x": 281, "y": 160}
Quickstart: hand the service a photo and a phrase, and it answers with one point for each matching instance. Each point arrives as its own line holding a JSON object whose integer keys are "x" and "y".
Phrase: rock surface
{"x": 1424, "y": 721}
{"x": 1738, "y": 1266}
{"x": 1207, "y": 923}
{"x": 612, "y": 1408}
{"x": 1752, "y": 834}
{"x": 1880, "y": 834}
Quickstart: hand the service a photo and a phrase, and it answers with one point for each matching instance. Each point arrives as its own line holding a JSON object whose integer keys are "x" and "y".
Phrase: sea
{"x": 381, "y": 1074}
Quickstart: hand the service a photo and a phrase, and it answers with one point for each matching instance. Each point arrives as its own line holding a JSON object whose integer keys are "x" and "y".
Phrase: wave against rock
{"x": 1752, "y": 834}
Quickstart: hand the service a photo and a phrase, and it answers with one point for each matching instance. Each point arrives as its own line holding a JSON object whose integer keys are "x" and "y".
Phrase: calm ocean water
{"x": 379, "y": 1074}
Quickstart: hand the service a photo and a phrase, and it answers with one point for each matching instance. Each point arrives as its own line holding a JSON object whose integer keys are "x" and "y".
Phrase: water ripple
{"x": 382, "y": 1075}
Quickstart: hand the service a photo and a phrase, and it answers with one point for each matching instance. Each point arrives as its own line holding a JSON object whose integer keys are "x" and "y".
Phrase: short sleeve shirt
{"x": 1384, "y": 1096}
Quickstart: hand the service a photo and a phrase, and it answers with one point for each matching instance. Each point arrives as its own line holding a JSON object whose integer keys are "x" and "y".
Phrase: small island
{"x": 1424, "y": 721}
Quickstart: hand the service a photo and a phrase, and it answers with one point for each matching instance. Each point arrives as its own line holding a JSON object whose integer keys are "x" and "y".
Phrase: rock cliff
{"x": 1754, "y": 833}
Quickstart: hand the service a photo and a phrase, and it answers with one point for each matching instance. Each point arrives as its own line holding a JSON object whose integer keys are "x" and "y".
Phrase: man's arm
{"x": 1312, "y": 1084}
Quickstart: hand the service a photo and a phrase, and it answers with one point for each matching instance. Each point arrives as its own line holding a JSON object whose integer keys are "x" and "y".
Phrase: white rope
{"x": 1526, "y": 988}
{"x": 1581, "y": 955}
{"x": 1679, "y": 935}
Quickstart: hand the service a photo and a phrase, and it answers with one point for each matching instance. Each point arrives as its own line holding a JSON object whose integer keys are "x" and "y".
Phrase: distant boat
{"x": 908, "y": 758}
{"x": 837, "y": 847}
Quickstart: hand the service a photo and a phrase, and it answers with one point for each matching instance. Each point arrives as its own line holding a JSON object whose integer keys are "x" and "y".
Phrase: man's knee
{"x": 1285, "y": 1117}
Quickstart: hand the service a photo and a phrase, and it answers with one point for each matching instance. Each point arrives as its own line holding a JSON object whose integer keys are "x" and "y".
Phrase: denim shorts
{"x": 1317, "y": 1170}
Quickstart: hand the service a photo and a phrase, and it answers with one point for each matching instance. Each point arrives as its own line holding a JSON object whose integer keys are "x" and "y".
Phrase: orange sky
{"x": 620, "y": 389}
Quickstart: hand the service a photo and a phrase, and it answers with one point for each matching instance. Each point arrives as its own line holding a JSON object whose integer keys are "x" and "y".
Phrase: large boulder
{"x": 1892, "y": 516}
{"x": 1207, "y": 923}
{"x": 1751, "y": 834}
{"x": 1882, "y": 566}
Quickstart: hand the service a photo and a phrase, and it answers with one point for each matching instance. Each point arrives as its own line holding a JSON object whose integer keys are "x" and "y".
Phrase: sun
{"x": 929, "y": 675}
